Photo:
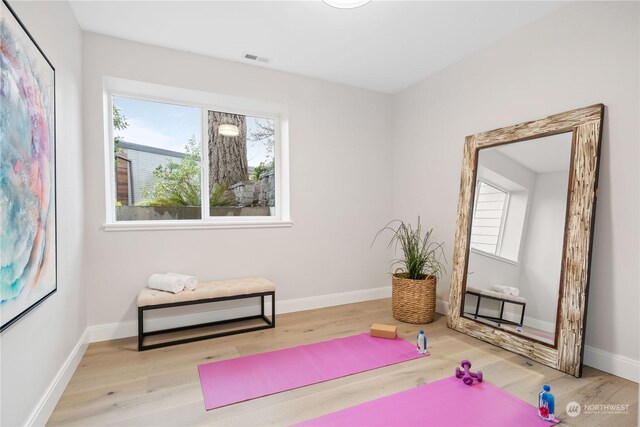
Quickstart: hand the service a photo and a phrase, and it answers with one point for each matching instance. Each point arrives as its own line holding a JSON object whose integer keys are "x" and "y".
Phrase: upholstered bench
{"x": 206, "y": 292}
{"x": 496, "y": 296}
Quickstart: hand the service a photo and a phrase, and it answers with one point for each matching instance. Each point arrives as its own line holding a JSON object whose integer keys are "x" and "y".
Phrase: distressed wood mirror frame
{"x": 566, "y": 354}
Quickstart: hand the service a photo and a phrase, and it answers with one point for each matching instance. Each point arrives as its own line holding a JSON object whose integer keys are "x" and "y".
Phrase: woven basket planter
{"x": 413, "y": 301}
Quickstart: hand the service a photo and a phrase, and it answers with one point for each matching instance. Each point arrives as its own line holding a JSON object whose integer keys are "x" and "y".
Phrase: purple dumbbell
{"x": 466, "y": 375}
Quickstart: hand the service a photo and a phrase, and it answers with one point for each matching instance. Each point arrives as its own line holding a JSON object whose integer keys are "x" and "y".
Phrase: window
{"x": 489, "y": 216}
{"x": 167, "y": 157}
{"x": 157, "y": 160}
{"x": 241, "y": 164}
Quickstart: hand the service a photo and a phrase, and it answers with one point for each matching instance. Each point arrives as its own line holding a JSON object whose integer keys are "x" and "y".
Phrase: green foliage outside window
{"x": 178, "y": 183}
{"x": 119, "y": 123}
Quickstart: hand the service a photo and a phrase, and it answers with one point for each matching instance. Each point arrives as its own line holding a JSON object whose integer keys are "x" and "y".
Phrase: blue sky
{"x": 170, "y": 126}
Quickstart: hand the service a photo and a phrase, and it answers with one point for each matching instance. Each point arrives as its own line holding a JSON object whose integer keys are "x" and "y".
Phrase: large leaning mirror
{"x": 524, "y": 236}
{"x": 517, "y": 234}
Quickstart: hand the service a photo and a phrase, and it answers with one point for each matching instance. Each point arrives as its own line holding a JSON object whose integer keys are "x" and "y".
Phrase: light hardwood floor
{"x": 117, "y": 385}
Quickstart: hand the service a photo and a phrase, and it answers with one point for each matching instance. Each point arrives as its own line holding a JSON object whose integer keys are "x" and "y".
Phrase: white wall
{"x": 542, "y": 253}
{"x": 497, "y": 169}
{"x": 340, "y": 169}
{"x": 586, "y": 53}
{"x": 35, "y": 348}
{"x": 485, "y": 271}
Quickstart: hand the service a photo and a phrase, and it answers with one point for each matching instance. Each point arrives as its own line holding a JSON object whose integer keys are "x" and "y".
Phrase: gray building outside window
{"x": 143, "y": 160}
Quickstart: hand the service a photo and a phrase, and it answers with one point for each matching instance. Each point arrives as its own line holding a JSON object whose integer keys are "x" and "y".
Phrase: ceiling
{"x": 384, "y": 45}
{"x": 541, "y": 155}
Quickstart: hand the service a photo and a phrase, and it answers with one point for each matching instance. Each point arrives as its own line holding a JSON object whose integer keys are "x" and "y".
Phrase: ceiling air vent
{"x": 255, "y": 58}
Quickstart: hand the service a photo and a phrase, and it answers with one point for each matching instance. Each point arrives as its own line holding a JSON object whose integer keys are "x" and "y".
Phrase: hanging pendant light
{"x": 228, "y": 130}
{"x": 346, "y": 4}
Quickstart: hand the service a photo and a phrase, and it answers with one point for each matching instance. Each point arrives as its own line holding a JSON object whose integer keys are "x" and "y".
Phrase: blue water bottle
{"x": 546, "y": 404}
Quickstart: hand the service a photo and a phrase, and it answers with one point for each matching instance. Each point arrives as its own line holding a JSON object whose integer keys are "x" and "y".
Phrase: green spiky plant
{"x": 422, "y": 256}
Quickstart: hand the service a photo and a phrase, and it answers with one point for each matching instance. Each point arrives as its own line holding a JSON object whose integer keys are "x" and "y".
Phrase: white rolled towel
{"x": 190, "y": 282}
{"x": 501, "y": 289}
{"x": 163, "y": 282}
{"x": 507, "y": 290}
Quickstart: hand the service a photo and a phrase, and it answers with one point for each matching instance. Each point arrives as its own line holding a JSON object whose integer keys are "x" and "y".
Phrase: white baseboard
{"x": 442, "y": 307}
{"x": 542, "y": 325}
{"x": 130, "y": 328}
{"x": 47, "y": 403}
{"x": 614, "y": 364}
{"x": 330, "y": 300}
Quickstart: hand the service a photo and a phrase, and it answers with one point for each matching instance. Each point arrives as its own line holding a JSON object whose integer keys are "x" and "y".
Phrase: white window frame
{"x": 503, "y": 221}
{"x": 206, "y": 102}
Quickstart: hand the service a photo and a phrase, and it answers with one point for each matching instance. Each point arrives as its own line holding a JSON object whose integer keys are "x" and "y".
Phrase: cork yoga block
{"x": 384, "y": 331}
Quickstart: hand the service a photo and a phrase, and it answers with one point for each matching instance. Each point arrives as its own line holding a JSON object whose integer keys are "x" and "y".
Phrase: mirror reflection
{"x": 517, "y": 236}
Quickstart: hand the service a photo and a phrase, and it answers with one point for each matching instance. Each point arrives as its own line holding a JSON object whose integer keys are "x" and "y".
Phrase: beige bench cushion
{"x": 206, "y": 290}
{"x": 496, "y": 294}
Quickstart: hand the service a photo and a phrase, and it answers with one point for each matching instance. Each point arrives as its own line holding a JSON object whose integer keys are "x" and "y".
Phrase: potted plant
{"x": 414, "y": 281}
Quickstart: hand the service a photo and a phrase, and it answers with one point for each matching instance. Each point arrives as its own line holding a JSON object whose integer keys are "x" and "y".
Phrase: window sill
{"x": 192, "y": 225}
{"x": 496, "y": 257}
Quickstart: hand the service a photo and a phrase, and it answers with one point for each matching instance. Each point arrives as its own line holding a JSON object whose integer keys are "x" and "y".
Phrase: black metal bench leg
{"x": 273, "y": 309}
{"x": 501, "y": 309}
{"x": 522, "y": 316}
{"x": 262, "y": 305}
{"x": 140, "y": 328}
{"x": 477, "y": 306}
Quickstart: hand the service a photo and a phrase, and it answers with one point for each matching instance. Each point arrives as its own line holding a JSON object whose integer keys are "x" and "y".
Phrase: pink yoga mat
{"x": 448, "y": 402}
{"x": 244, "y": 378}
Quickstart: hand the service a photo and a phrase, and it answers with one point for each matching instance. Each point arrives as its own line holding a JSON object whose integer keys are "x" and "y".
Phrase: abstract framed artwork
{"x": 28, "y": 270}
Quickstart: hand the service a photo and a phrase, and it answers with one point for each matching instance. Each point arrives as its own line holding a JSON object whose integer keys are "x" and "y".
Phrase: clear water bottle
{"x": 546, "y": 404}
